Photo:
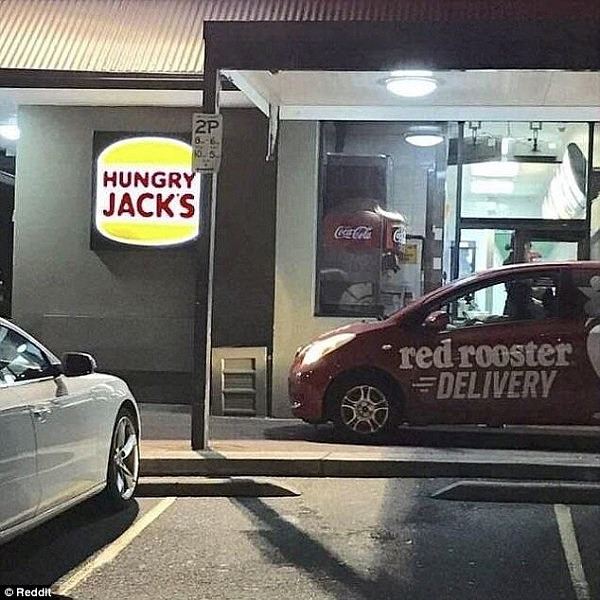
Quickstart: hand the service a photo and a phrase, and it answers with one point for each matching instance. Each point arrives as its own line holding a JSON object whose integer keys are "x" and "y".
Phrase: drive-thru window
{"x": 395, "y": 221}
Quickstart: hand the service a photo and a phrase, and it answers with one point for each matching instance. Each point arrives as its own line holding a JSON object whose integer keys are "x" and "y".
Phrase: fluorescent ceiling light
{"x": 495, "y": 168}
{"x": 424, "y": 140}
{"x": 10, "y": 132}
{"x": 411, "y": 84}
{"x": 492, "y": 186}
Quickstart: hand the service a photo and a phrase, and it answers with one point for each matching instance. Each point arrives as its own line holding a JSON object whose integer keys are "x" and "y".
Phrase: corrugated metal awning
{"x": 102, "y": 35}
{"x": 165, "y": 36}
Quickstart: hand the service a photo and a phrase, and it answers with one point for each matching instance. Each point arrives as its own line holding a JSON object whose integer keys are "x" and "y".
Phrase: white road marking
{"x": 112, "y": 550}
{"x": 571, "y": 550}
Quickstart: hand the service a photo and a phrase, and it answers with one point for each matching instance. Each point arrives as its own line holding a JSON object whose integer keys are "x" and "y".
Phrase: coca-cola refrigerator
{"x": 361, "y": 240}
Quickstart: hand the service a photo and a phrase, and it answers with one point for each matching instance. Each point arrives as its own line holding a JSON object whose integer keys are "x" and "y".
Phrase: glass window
{"x": 534, "y": 170}
{"x": 450, "y": 210}
{"x": 595, "y": 195}
{"x": 20, "y": 360}
{"x": 596, "y": 161}
{"x": 585, "y": 301}
{"x": 516, "y": 299}
{"x": 482, "y": 249}
{"x": 380, "y": 194}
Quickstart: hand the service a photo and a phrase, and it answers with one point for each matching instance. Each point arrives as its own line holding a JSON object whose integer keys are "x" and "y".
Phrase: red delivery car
{"x": 519, "y": 344}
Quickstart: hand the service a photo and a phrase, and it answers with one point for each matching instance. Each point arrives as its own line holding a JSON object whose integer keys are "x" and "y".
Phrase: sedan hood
{"x": 358, "y": 327}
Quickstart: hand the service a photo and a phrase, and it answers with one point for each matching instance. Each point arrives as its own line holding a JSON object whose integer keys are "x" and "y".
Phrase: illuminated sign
{"x": 146, "y": 193}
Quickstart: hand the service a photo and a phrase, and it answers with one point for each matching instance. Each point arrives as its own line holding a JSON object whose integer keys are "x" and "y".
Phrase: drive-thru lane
{"x": 350, "y": 538}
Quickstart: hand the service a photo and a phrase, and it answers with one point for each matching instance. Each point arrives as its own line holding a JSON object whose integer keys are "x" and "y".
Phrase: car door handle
{"x": 41, "y": 412}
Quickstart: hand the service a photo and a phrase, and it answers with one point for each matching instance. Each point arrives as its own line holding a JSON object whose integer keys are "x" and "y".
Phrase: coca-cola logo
{"x": 346, "y": 232}
{"x": 399, "y": 236}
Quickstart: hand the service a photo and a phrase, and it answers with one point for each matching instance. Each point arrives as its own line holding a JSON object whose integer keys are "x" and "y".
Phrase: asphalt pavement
{"x": 357, "y": 539}
{"x": 448, "y": 513}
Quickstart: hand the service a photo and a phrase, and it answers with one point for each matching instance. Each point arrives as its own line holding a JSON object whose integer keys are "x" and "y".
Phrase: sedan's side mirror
{"x": 437, "y": 320}
{"x": 78, "y": 363}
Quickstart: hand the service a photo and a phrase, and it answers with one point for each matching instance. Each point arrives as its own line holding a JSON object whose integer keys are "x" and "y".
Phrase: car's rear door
{"x": 19, "y": 484}
{"x": 577, "y": 400}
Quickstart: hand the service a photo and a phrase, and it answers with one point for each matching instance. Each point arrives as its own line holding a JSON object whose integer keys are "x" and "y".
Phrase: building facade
{"x": 347, "y": 220}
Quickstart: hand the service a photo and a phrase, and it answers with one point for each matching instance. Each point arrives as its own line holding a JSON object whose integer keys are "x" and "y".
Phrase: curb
{"x": 340, "y": 467}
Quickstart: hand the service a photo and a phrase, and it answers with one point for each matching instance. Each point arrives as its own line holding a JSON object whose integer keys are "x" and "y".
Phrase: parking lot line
{"x": 571, "y": 550}
{"x": 112, "y": 550}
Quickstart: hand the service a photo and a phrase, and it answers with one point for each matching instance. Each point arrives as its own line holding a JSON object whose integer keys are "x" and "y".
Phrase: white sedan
{"x": 66, "y": 433}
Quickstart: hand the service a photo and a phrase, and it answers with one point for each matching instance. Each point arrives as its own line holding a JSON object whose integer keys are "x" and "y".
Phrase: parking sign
{"x": 207, "y": 142}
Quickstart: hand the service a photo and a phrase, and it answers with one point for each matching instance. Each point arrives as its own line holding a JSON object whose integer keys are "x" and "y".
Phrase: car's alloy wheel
{"x": 364, "y": 409}
{"x": 124, "y": 461}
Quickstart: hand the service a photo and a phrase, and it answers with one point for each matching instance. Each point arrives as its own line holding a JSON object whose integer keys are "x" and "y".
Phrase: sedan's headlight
{"x": 320, "y": 348}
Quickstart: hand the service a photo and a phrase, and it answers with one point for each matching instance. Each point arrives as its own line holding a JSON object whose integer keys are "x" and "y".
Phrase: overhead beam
{"x": 569, "y": 43}
{"x": 37, "y": 78}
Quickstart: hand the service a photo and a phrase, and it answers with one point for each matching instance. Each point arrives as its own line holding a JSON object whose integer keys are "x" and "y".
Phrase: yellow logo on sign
{"x": 146, "y": 192}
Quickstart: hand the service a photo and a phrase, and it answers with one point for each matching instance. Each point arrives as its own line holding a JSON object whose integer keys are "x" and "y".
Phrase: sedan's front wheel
{"x": 123, "y": 462}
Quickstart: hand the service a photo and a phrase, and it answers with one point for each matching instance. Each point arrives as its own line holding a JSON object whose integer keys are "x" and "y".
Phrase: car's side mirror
{"x": 78, "y": 363}
{"x": 437, "y": 320}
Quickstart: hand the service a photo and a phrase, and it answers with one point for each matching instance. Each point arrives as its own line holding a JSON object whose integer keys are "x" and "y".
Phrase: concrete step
{"x": 268, "y": 458}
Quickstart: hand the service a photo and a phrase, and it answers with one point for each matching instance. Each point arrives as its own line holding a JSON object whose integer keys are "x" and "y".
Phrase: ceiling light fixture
{"x": 424, "y": 140}
{"x": 10, "y": 132}
{"x": 411, "y": 84}
{"x": 474, "y": 126}
{"x": 424, "y": 136}
{"x": 536, "y": 127}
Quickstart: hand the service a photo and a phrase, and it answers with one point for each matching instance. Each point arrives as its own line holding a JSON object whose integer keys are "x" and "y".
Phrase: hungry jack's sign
{"x": 145, "y": 192}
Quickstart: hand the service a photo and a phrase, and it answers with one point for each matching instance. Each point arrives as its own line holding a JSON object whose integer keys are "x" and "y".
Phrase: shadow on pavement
{"x": 522, "y": 438}
{"x": 465, "y": 436}
{"x": 283, "y": 543}
{"x": 48, "y": 552}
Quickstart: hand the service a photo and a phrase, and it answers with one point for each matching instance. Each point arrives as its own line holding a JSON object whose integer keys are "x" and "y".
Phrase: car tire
{"x": 364, "y": 408}
{"x": 123, "y": 462}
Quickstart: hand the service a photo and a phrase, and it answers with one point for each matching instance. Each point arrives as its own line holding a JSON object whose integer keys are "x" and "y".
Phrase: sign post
{"x": 207, "y": 134}
{"x": 207, "y": 142}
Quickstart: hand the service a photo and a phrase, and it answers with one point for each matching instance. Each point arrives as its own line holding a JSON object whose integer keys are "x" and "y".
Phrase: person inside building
{"x": 511, "y": 259}
{"x": 521, "y": 302}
